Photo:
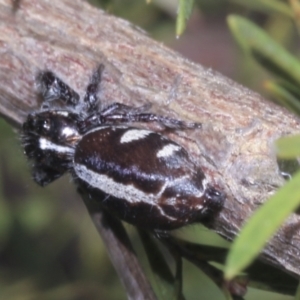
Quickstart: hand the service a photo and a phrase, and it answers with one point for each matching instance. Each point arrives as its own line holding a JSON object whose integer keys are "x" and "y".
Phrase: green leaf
{"x": 285, "y": 94}
{"x": 184, "y": 11}
{"x": 262, "y": 226}
{"x": 264, "y": 49}
{"x": 288, "y": 146}
{"x": 291, "y": 88}
{"x": 269, "y": 6}
{"x": 295, "y": 5}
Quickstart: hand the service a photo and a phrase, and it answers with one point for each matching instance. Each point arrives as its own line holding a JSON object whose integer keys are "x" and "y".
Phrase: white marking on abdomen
{"x": 134, "y": 134}
{"x": 115, "y": 189}
{"x": 168, "y": 150}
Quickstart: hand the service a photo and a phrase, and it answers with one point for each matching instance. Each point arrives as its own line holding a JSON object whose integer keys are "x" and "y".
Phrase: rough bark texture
{"x": 235, "y": 146}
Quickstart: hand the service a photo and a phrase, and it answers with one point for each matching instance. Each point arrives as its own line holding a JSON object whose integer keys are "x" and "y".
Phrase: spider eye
{"x": 46, "y": 125}
{"x": 43, "y": 126}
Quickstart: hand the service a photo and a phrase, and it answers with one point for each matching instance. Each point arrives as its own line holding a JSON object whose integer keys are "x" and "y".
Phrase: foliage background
{"x": 49, "y": 248}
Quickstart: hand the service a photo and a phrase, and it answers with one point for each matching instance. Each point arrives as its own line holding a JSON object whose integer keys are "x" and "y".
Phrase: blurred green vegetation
{"x": 49, "y": 248}
{"x": 47, "y": 240}
{"x": 267, "y": 47}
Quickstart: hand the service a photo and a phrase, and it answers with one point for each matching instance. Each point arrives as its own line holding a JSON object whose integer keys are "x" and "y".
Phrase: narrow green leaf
{"x": 264, "y": 49}
{"x": 269, "y": 6}
{"x": 262, "y": 226}
{"x": 291, "y": 88}
{"x": 288, "y": 146}
{"x": 295, "y": 5}
{"x": 184, "y": 11}
{"x": 284, "y": 95}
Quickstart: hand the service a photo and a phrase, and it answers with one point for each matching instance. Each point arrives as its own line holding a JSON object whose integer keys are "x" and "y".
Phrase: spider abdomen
{"x": 143, "y": 177}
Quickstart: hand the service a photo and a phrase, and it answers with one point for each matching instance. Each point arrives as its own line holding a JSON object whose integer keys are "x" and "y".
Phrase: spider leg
{"x": 91, "y": 99}
{"x": 52, "y": 88}
{"x": 119, "y": 112}
{"x": 99, "y": 119}
{"x": 148, "y": 117}
{"x": 123, "y": 108}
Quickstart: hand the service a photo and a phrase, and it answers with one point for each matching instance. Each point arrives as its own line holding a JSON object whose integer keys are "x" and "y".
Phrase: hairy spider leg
{"x": 112, "y": 118}
{"x": 119, "y": 109}
{"x": 123, "y": 108}
{"x": 53, "y": 88}
{"x": 90, "y": 99}
{"x": 148, "y": 117}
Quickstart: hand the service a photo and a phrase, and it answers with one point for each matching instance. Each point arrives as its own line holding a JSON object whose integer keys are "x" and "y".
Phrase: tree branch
{"x": 235, "y": 145}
